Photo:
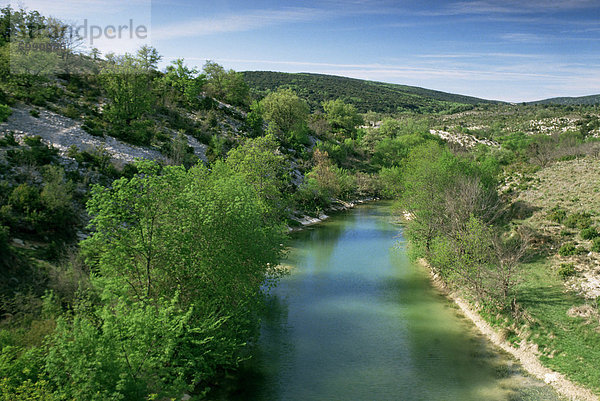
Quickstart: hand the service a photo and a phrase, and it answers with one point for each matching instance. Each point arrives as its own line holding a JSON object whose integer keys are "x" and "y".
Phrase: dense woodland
{"x": 123, "y": 293}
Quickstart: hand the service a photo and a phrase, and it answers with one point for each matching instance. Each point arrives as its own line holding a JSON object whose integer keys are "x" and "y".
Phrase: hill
{"x": 365, "y": 95}
{"x": 571, "y": 101}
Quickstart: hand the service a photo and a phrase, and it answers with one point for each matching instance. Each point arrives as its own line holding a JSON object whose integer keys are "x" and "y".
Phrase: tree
{"x": 188, "y": 83}
{"x": 342, "y": 117}
{"x": 429, "y": 171}
{"x": 148, "y": 242}
{"x": 259, "y": 161}
{"x": 148, "y": 58}
{"x": 228, "y": 86}
{"x": 128, "y": 86}
{"x": 284, "y": 111}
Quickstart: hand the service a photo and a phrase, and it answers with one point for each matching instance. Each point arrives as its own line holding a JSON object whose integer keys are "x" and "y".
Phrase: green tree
{"x": 228, "y": 86}
{"x": 188, "y": 83}
{"x": 342, "y": 117}
{"x": 285, "y": 112}
{"x": 147, "y": 239}
{"x": 148, "y": 58}
{"x": 127, "y": 83}
{"x": 263, "y": 166}
{"x": 430, "y": 170}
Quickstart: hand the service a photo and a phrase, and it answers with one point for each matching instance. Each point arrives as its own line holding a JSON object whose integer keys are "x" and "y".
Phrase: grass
{"x": 570, "y": 345}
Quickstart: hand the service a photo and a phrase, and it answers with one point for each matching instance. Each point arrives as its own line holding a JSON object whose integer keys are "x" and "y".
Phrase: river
{"x": 357, "y": 320}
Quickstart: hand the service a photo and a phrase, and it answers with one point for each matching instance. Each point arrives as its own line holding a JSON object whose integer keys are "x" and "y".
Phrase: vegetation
{"x": 161, "y": 294}
{"x": 364, "y": 95}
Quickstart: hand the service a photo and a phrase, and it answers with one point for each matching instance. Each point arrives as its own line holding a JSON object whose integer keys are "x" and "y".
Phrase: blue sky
{"x": 506, "y": 50}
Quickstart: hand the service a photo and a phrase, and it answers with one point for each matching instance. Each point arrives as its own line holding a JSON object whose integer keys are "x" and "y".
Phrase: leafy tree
{"x": 430, "y": 170}
{"x": 228, "y": 86}
{"x": 254, "y": 120}
{"x": 284, "y": 111}
{"x": 262, "y": 165}
{"x": 147, "y": 239}
{"x": 127, "y": 84}
{"x": 198, "y": 240}
{"x": 148, "y": 58}
{"x": 187, "y": 82}
{"x": 342, "y": 117}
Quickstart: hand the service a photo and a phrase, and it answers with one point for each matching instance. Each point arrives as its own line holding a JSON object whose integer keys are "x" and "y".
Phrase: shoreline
{"x": 526, "y": 354}
{"x": 337, "y": 206}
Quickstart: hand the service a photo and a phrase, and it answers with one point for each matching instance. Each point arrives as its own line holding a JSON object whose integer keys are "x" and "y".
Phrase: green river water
{"x": 357, "y": 320}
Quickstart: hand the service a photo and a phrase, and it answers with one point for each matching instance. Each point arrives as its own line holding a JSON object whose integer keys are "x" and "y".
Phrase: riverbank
{"x": 526, "y": 354}
{"x": 336, "y": 207}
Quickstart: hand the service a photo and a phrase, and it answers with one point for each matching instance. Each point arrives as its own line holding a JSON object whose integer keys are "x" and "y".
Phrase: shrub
{"x": 596, "y": 245}
{"x": 93, "y": 126}
{"x": 566, "y": 270}
{"x": 557, "y": 215}
{"x": 5, "y": 112}
{"x": 567, "y": 249}
{"x": 578, "y": 220}
{"x": 589, "y": 233}
{"x": 4, "y": 237}
{"x": 34, "y": 113}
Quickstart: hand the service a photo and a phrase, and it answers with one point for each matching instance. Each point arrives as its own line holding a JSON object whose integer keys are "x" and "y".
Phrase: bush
{"x": 5, "y": 112}
{"x": 4, "y": 237}
{"x": 589, "y": 233}
{"x": 567, "y": 249}
{"x": 557, "y": 215}
{"x": 596, "y": 245}
{"x": 578, "y": 220}
{"x": 566, "y": 270}
{"x": 93, "y": 126}
{"x": 34, "y": 113}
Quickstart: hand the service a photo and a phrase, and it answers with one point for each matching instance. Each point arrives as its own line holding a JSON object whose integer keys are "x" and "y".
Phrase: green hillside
{"x": 571, "y": 101}
{"x": 365, "y": 95}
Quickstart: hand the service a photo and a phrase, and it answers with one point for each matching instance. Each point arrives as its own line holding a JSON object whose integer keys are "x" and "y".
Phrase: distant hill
{"x": 573, "y": 101}
{"x": 365, "y": 95}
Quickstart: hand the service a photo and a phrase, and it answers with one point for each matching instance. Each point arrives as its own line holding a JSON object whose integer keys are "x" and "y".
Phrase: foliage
{"x": 557, "y": 214}
{"x": 596, "y": 245}
{"x": 342, "y": 117}
{"x": 146, "y": 236}
{"x": 589, "y": 233}
{"x": 5, "y": 112}
{"x": 566, "y": 270}
{"x": 390, "y": 180}
{"x": 259, "y": 161}
{"x": 364, "y": 95}
{"x": 567, "y": 249}
{"x": 188, "y": 83}
{"x": 127, "y": 83}
{"x": 129, "y": 350}
{"x": 227, "y": 86}
{"x": 41, "y": 210}
{"x": 578, "y": 220}
{"x": 254, "y": 120}
{"x": 324, "y": 183}
{"x": 285, "y": 112}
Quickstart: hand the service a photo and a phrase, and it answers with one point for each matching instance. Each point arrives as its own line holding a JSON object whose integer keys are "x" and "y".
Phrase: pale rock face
{"x": 63, "y": 132}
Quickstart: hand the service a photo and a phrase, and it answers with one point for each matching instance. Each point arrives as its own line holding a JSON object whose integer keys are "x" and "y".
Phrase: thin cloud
{"x": 522, "y": 37}
{"x": 479, "y": 55}
{"x": 238, "y": 22}
{"x": 510, "y": 8}
{"x": 82, "y": 8}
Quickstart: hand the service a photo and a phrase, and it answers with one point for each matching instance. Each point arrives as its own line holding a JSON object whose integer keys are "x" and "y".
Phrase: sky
{"x": 494, "y": 49}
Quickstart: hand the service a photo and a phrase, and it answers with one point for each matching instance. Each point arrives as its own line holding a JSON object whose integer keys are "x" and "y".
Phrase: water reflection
{"x": 356, "y": 320}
